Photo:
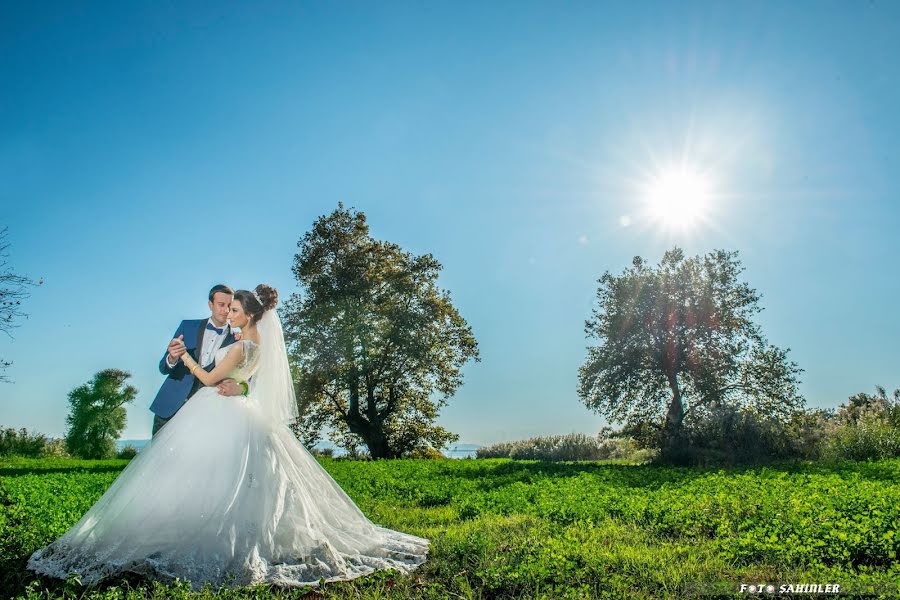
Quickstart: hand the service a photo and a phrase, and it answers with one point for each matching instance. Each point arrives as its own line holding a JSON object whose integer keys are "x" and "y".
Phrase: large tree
{"x": 377, "y": 347}
{"x": 13, "y": 290}
{"x": 680, "y": 337}
{"x": 97, "y": 414}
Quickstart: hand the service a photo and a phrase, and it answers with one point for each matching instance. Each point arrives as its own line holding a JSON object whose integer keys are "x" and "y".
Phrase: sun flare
{"x": 678, "y": 198}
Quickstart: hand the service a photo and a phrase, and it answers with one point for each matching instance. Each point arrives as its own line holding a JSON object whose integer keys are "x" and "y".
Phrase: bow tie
{"x": 210, "y": 327}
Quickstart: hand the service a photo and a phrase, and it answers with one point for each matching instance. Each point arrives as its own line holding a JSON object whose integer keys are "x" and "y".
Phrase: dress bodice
{"x": 248, "y": 364}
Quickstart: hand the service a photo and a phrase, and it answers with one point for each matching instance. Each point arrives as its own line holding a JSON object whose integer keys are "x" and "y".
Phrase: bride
{"x": 226, "y": 494}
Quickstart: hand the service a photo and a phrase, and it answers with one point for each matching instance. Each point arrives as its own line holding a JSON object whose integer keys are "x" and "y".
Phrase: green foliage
{"x": 325, "y": 452}
{"x": 679, "y": 337}
{"x": 807, "y": 433}
{"x": 862, "y": 405}
{"x": 377, "y": 347}
{"x": 510, "y": 529}
{"x": 22, "y": 443}
{"x": 571, "y": 446}
{"x": 867, "y": 427}
{"x": 427, "y": 453}
{"x": 728, "y": 435}
{"x": 128, "y": 452}
{"x": 869, "y": 439}
{"x": 97, "y": 414}
{"x": 33, "y": 445}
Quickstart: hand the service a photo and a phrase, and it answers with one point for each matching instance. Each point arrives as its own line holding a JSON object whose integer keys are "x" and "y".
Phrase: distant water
{"x": 136, "y": 443}
{"x": 455, "y": 451}
{"x": 462, "y": 451}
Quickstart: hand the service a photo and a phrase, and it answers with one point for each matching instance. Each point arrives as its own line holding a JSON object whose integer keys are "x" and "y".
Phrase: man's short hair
{"x": 220, "y": 288}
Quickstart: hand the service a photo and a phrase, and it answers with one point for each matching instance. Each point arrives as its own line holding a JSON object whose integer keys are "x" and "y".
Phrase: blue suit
{"x": 180, "y": 384}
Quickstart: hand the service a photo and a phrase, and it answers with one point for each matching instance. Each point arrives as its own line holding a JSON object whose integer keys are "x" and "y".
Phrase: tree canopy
{"x": 376, "y": 346}
{"x": 97, "y": 414}
{"x": 679, "y": 337}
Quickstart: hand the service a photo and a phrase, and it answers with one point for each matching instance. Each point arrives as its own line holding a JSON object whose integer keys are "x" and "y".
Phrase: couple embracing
{"x": 225, "y": 493}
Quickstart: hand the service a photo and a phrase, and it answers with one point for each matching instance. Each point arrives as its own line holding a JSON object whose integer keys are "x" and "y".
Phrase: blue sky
{"x": 150, "y": 150}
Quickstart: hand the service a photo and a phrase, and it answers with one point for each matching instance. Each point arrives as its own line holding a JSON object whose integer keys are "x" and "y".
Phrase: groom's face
{"x": 219, "y": 307}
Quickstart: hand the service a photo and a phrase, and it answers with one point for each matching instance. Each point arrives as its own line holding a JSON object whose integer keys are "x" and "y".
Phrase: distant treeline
{"x": 21, "y": 442}
{"x": 866, "y": 427}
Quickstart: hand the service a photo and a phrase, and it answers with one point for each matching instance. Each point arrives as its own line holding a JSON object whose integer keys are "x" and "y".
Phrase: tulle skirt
{"x": 221, "y": 496}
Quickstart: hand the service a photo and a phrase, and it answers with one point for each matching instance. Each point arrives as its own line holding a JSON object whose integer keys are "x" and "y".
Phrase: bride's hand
{"x": 229, "y": 387}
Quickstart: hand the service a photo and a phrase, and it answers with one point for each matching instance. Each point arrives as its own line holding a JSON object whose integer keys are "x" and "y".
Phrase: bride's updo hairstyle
{"x": 265, "y": 298}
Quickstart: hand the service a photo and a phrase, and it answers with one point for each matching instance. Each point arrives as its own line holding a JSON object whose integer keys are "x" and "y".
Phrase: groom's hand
{"x": 229, "y": 387}
{"x": 176, "y": 349}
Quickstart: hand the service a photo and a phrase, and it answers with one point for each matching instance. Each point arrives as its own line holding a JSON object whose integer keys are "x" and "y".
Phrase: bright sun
{"x": 679, "y": 197}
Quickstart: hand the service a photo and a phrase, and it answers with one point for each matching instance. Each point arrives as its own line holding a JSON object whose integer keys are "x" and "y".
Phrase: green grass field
{"x": 523, "y": 529}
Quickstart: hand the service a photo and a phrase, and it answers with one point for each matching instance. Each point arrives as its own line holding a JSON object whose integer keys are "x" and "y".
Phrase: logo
{"x": 790, "y": 588}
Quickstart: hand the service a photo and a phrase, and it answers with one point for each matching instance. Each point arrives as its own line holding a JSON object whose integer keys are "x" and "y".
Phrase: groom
{"x": 201, "y": 338}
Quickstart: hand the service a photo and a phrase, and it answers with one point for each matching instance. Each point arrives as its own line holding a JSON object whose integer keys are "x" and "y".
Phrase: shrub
{"x": 871, "y": 438}
{"x": 428, "y": 452}
{"x": 616, "y": 445}
{"x": 572, "y": 446}
{"x": 56, "y": 448}
{"x": 725, "y": 435}
{"x": 867, "y": 427}
{"x": 807, "y": 433}
{"x": 355, "y": 453}
{"x": 21, "y": 443}
{"x": 863, "y": 405}
{"x": 128, "y": 452}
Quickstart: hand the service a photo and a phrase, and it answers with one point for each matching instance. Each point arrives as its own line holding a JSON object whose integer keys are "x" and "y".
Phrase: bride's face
{"x": 237, "y": 316}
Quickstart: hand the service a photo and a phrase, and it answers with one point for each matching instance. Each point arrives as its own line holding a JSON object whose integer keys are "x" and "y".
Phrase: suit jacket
{"x": 180, "y": 384}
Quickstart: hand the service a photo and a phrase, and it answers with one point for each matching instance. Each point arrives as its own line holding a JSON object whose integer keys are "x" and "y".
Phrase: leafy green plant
{"x": 507, "y": 529}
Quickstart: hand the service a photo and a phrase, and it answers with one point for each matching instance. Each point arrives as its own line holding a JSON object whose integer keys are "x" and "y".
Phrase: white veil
{"x": 271, "y": 386}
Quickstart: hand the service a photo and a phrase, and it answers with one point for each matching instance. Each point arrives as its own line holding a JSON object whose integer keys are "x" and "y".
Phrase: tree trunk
{"x": 372, "y": 435}
{"x": 675, "y": 415}
{"x": 377, "y": 443}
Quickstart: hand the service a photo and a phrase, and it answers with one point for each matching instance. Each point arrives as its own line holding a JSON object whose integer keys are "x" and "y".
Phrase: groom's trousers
{"x": 158, "y": 423}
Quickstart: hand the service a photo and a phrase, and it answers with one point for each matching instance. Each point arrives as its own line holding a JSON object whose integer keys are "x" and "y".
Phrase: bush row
{"x": 21, "y": 442}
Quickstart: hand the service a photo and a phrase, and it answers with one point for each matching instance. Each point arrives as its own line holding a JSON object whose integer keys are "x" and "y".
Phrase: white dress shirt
{"x": 211, "y": 344}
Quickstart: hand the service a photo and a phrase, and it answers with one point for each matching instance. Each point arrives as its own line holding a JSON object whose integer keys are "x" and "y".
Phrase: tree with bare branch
{"x": 14, "y": 289}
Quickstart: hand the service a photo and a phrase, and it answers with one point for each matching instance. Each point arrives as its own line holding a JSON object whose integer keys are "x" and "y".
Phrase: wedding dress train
{"x": 225, "y": 494}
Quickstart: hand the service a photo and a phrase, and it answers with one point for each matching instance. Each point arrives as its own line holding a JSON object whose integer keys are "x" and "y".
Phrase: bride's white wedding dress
{"x": 226, "y": 494}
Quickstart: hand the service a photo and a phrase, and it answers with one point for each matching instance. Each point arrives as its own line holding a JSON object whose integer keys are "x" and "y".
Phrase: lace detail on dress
{"x": 222, "y": 497}
{"x": 394, "y": 550}
{"x": 248, "y": 364}
{"x": 251, "y": 356}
